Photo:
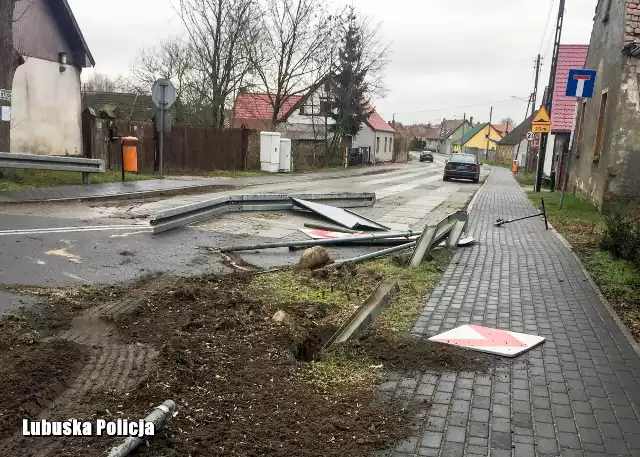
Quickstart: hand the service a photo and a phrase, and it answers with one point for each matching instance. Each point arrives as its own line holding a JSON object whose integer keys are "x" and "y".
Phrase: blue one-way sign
{"x": 581, "y": 83}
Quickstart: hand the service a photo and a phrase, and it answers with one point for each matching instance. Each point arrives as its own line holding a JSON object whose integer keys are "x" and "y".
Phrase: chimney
{"x": 471, "y": 121}
{"x": 242, "y": 90}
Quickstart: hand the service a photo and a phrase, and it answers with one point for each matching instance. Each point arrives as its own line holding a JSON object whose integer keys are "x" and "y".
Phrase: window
{"x": 325, "y": 107}
{"x": 601, "y": 115}
{"x": 302, "y": 109}
{"x": 385, "y": 144}
{"x": 378, "y": 144}
{"x": 580, "y": 127}
{"x": 327, "y": 87}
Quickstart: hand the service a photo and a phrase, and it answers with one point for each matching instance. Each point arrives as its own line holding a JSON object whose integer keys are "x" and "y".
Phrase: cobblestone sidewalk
{"x": 576, "y": 395}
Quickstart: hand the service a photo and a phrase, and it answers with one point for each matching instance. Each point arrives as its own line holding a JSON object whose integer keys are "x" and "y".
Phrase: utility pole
{"x": 486, "y": 153}
{"x": 533, "y": 100}
{"x": 526, "y": 115}
{"x": 552, "y": 83}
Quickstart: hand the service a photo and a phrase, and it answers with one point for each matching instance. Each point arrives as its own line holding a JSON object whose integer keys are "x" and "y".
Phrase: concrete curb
{"x": 475, "y": 196}
{"x": 187, "y": 190}
{"x": 128, "y": 195}
{"x": 612, "y": 312}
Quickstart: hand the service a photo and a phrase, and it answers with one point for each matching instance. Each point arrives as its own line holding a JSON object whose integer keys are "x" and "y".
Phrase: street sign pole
{"x": 163, "y": 94}
{"x": 162, "y": 108}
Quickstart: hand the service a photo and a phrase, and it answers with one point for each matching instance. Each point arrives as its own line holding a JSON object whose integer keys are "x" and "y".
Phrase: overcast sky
{"x": 445, "y": 56}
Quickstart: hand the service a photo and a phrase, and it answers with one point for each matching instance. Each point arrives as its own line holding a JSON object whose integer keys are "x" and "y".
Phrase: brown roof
{"x": 122, "y": 105}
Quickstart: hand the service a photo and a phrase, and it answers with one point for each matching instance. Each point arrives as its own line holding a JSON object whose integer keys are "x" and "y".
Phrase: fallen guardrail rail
{"x": 450, "y": 228}
{"x": 196, "y": 212}
{"x": 362, "y": 318}
{"x": 59, "y": 163}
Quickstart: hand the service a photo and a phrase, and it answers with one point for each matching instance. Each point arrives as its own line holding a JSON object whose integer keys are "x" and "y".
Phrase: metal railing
{"x": 59, "y": 163}
{"x": 196, "y": 212}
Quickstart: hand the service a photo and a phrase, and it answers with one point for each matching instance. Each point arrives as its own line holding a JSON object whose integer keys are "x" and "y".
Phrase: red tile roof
{"x": 570, "y": 56}
{"x": 504, "y": 129}
{"x": 378, "y": 124}
{"x": 255, "y": 110}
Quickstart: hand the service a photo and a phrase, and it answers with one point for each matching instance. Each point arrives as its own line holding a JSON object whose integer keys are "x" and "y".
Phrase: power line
{"x": 546, "y": 27}
{"x": 460, "y": 107}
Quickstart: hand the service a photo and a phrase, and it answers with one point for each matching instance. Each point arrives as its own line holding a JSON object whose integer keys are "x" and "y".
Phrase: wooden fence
{"x": 186, "y": 147}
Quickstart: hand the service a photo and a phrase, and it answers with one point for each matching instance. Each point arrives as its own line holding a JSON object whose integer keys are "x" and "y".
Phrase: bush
{"x": 622, "y": 236}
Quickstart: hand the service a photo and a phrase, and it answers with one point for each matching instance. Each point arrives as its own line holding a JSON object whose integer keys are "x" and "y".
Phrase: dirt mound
{"x": 32, "y": 376}
{"x": 233, "y": 371}
{"x": 397, "y": 352}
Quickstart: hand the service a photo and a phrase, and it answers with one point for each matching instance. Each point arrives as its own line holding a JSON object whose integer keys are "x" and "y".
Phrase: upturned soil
{"x": 245, "y": 384}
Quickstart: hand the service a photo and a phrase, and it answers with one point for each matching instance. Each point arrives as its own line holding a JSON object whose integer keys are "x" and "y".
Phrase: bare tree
{"x": 293, "y": 48}
{"x": 171, "y": 60}
{"x": 10, "y": 60}
{"x": 219, "y": 32}
{"x": 100, "y": 82}
{"x": 508, "y": 121}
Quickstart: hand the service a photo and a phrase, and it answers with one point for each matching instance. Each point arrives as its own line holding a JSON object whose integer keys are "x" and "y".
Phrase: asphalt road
{"x": 63, "y": 244}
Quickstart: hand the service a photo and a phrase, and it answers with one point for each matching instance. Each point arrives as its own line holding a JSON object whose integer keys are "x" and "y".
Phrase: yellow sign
{"x": 541, "y": 128}
{"x": 541, "y": 122}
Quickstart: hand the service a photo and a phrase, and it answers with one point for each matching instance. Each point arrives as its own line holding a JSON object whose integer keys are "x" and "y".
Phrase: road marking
{"x": 70, "y": 229}
{"x": 63, "y": 253}
{"x": 128, "y": 234}
{"x": 389, "y": 191}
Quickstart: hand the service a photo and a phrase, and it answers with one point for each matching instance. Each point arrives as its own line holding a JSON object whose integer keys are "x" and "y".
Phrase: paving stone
{"x": 575, "y": 396}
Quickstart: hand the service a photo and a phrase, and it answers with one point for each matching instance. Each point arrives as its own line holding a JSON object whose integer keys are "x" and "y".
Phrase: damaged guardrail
{"x": 450, "y": 228}
{"x": 196, "y": 212}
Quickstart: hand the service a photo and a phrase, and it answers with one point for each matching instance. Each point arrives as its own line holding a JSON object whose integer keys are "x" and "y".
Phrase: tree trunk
{"x": 10, "y": 60}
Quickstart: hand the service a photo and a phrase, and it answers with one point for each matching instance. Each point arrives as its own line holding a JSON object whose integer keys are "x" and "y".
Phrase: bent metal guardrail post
{"x": 450, "y": 227}
{"x": 196, "y": 212}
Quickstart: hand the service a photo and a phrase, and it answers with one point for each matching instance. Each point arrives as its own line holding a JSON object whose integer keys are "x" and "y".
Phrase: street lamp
{"x": 522, "y": 98}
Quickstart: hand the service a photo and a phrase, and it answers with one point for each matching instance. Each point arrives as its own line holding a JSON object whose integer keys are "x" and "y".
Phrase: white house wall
{"x": 381, "y": 154}
{"x": 548, "y": 157}
{"x": 365, "y": 138}
{"x": 46, "y": 107}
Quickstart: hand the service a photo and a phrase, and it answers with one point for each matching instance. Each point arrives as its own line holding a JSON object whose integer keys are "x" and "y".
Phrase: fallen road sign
{"x": 489, "y": 340}
{"x": 329, "y": 235}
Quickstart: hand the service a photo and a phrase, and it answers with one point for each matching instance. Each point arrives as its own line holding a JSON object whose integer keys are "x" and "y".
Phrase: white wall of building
{"x": 46, "y": 109}
{"x": 548, "y": 157}
{"x": 365, "y": 138}
{"x": 384, "y": 154}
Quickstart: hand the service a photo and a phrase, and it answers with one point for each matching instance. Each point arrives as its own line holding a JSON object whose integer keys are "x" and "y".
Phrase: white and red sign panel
{"x": 329, "y": 235}
{"x": 489, "y": 340}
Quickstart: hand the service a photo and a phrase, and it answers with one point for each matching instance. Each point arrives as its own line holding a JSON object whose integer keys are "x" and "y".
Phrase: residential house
{"x": 514, "y": 146}
{"x": 504, "y": 129}
{"x": 429, "y": 137}
{"x": 481, "y": 137}
{"x": 378, "y": 135}
{"x": 563, "y": 108}
{"x": 450, "y": 132}
{"x": 46, "y": 101}
{"x": 133, "y": 107}
{"x": 306, "y": 121}
{"x": 605, "y": 161}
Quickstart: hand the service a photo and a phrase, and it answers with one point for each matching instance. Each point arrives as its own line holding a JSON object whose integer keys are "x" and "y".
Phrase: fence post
{"x": 245, "y": 147}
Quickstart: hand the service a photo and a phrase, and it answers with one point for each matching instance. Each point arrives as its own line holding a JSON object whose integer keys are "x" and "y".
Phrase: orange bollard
{"x": 514, "y": 168}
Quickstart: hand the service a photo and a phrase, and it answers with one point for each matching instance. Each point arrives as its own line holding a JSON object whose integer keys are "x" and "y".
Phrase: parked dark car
{"x": 426, "y": 156}
{"x": 462, "y": 166}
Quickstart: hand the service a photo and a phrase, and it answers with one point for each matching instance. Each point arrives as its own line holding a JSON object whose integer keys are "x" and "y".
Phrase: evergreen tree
{"x": 349, "y": 104}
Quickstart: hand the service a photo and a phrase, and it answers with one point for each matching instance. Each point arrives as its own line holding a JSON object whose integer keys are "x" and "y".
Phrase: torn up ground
{"x": 244, "y": 382}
